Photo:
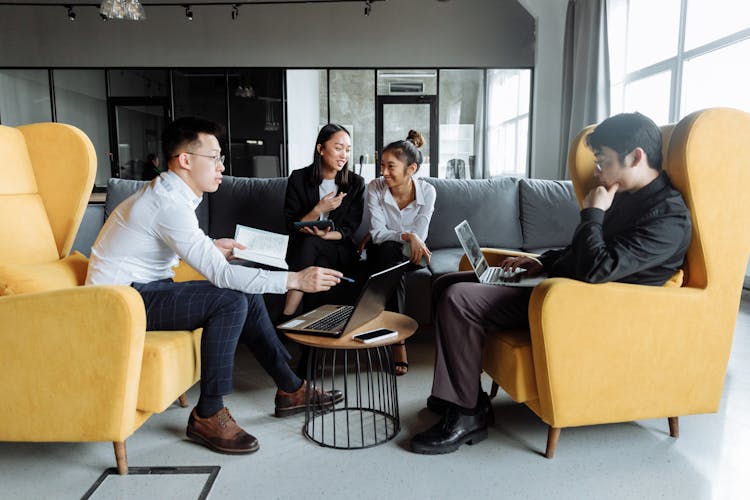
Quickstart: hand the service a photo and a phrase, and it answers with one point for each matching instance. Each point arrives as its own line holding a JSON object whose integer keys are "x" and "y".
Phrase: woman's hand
{"x": 418, "y": 248}
{"x": 326, "y": 233}
{"x": 329, "y": 203}
{"x": 363, "y": 243}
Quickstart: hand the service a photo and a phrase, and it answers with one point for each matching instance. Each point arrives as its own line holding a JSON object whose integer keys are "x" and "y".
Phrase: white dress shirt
{"x": 147, "y": 234}
{"x": 388, "y": 222}
{"x": 327, "y": 186}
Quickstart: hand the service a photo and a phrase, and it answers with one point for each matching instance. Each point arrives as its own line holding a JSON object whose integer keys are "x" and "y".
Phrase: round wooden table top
{"x": 404, "y": 325}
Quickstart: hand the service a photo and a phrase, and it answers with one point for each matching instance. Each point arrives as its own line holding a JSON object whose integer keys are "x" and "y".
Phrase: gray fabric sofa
{"x": 521, "y": 214}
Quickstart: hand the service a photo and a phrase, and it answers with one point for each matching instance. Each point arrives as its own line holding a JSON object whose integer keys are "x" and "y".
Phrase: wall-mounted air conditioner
{"x": 405, "y": 87}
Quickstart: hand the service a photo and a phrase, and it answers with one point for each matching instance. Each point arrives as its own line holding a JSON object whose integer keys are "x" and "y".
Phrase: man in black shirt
{"x": 634, "y": 228}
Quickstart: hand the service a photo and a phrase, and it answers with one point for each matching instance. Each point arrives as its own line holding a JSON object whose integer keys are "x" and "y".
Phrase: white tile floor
{"x": 629, "y": 460}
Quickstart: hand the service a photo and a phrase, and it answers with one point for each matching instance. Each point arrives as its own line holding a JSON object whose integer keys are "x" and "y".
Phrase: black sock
{"x": 467, "y": 411}
{"x": 209, "y": 405}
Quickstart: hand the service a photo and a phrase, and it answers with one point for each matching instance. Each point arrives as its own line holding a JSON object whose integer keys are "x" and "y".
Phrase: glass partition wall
{"x": 475, "y": 121}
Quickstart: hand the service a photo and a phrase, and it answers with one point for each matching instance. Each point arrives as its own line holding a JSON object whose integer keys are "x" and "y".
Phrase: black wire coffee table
{"x": 368, "y": 414}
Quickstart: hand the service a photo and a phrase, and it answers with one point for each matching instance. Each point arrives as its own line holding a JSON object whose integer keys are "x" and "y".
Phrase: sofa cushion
{"x": 171, "y": 365}
{"x": 257, "y": 203}
{"x": 549, "y": 213}
{"x": 508, "y": 360}
{"x": 28, "y": 278}
{"x": 490, "y": 206}
{"x": 118, "y": 190}
{"x": 445, "y": 260}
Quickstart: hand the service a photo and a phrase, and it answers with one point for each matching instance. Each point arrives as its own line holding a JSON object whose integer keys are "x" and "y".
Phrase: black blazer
{"x": 302, "y": 195}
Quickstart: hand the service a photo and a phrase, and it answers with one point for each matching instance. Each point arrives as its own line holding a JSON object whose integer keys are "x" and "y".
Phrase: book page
{"x": 263, "y": 247}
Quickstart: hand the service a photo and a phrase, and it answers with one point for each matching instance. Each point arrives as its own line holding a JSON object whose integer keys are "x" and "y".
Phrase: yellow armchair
{"x": 77, "y": 363}
{"x": 617, "y": 352}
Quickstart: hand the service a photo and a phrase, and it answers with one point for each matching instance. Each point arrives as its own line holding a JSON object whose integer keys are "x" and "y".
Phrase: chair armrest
{"x": 616, "y": 352}
{"x": 70, "y": 363}
{"x": 184, "y": 272}
{"x": 494, "y": 256}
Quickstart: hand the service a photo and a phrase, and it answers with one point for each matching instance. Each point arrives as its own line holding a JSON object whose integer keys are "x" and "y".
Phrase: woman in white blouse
{"x": 400, "y": 211}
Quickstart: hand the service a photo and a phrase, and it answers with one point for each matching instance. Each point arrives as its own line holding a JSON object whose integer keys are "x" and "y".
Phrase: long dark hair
{"x": 342, "y": 177}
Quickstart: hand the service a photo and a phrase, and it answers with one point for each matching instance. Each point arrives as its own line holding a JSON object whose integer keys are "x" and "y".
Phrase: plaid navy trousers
{"x": 225, "y": 316}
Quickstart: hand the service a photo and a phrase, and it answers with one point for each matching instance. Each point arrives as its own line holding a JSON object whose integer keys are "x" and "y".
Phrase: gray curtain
{"x": 585, "y": 97}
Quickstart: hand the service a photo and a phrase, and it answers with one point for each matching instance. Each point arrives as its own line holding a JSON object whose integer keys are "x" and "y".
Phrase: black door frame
{"x": 114, "y": 133}
{"x": 409, "y": 99}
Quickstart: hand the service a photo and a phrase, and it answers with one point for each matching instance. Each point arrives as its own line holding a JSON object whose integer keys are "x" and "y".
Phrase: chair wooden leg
{"x": 183, "y": 400}
{"x": 553, "y": 435}
{"x": 674, "y": 426}
{"x": 493, "y": 390}
{"x": 121, "y": 456}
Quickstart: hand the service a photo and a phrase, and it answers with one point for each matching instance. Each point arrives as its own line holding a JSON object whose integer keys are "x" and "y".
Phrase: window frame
{"x": 674, "y": 64}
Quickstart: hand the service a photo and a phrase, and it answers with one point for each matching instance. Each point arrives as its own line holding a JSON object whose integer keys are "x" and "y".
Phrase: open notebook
{"x": 263, "y": 247}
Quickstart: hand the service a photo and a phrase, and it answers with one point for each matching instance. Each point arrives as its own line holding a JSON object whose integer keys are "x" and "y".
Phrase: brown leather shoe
{"x": 220, "y": 433}
{"x": 290, "y": 403}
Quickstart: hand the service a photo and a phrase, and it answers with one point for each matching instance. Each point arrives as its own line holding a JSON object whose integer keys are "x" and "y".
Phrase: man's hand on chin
{"x": 600, "y": 197}
{"x": 313, "y": 279}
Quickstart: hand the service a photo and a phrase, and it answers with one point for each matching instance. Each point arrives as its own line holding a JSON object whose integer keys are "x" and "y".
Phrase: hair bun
{"x": 415, "y": 138}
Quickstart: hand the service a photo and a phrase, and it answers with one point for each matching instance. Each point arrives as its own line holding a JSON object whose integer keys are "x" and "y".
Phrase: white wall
{"x": 546, "y": 115}
{"x": 303, "y": 110}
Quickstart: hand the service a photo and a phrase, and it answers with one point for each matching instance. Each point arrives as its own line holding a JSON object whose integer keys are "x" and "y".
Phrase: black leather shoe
{"x": 439, "y": 406}
{"x": 453, "y": 430}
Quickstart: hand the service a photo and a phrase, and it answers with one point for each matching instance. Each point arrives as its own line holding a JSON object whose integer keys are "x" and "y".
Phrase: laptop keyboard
{"x": 333, "y": 321}
{"x": 498, "y": 274}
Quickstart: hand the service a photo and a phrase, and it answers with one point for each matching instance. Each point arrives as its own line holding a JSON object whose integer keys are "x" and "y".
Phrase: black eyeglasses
{"x": 216, "y": 158}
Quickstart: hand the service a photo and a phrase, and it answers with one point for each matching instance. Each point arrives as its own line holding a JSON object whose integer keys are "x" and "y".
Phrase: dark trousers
{"x": 224, "y": 315}
{"x": 307, "y": 250}
{"x": 467, "y": 312}
{"x": 383, "y": 256}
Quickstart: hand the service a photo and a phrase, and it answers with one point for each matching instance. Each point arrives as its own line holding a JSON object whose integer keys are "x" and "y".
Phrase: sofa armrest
{"x": 70, "y": 364}
{"x": 494, "y": 256}
{"x": 618, "y": 352}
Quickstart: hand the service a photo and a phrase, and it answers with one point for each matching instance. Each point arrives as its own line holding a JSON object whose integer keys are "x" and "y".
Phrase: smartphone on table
{"x": 375, "y": 335}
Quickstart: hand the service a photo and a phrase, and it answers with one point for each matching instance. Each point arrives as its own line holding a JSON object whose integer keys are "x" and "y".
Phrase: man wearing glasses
{"x": 147, "y": 234}
{"x": 634, "y": 228}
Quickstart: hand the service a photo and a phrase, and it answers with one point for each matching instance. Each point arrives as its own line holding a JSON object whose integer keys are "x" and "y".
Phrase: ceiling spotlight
{"x": 368, "y": 7}
{"x": 235, "y": 11}
{"x": 71, "y": 14}
{"x": 188, "y": 13}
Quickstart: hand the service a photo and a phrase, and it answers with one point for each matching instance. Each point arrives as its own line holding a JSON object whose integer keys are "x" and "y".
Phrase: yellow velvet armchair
{"x": 616, "y": 352}
{"x": 76, "y": 362}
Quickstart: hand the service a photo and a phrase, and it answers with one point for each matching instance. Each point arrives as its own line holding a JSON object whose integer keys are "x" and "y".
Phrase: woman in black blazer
{"x": 326, "y": 189}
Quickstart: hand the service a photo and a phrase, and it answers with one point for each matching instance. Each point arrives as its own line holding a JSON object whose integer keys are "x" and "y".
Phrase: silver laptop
{"x": 336, "y": 320}
{"x": 491, "y": 275}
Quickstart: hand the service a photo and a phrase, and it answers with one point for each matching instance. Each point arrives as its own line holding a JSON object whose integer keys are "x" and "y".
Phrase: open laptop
{"x": 336, "y": 320}
{"x": 491, "y": 275}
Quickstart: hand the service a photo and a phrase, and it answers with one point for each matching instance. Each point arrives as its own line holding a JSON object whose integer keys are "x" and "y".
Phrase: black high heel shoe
{"x": 401, "y": 364}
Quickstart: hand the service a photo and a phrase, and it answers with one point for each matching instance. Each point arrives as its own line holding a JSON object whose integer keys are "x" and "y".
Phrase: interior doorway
{"x": 137, "y": 124}
{"x": 396, "y": 115}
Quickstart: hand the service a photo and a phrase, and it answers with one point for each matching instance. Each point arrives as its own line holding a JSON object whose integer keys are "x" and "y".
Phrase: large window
{"x": 81, "y": 101}
{"x": 461, "y": 123}
{"x": 509, "y": 102}
{"x": 24, "y": 96}
{"x": 673, "y": 57}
